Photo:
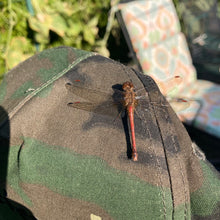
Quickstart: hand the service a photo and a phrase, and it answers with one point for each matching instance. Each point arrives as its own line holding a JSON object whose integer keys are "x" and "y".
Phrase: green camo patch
{"x": 182, "y": 212}
{"x": 87, "y": 178}
{"x": 205, "y": 200}
{"x": 21, "y": 91}
{"x": 58, "y": 62}
{"x": 46, "y": 91}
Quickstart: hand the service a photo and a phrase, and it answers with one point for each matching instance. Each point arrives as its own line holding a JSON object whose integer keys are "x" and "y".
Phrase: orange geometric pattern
{"x": 168, "y": 59}
{"x": 149, "y": 22}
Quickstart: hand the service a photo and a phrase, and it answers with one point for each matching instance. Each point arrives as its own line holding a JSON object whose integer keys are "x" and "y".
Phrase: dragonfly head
{"x": 127, "y": 86}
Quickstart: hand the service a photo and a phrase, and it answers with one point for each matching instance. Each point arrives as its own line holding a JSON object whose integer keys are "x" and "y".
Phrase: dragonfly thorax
{"x": 129, "y": 94}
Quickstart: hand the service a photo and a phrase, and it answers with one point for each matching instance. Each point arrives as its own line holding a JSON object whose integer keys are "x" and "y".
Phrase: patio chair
{"x": 152, "y": 31}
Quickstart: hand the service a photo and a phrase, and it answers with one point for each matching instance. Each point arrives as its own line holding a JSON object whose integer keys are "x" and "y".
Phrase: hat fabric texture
{"x": 59, "y": 162}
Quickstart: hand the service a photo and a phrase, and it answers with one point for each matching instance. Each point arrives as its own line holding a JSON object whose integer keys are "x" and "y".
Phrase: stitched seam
{"x": 180, "y": 166}
{"x": 165, "y": 155}
{"x": 44, "y": 85}
{"x": 183, "y": 176}
{"x": 160, "y": 169}
{"x": 153, "y": 149}
{"x": 167, "y": 163}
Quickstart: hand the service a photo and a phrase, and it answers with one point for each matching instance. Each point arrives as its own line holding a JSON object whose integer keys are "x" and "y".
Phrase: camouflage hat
{"x": 59, "y": 162}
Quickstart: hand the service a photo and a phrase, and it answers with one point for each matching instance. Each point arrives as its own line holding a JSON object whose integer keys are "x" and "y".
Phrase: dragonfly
{"x": 128, "y": 99}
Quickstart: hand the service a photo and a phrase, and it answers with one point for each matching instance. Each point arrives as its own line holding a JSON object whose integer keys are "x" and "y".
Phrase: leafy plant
{"x": 50, "y": 23}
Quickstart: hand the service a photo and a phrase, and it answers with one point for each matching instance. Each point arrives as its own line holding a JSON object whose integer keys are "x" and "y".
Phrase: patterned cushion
{"x": 204, "y": 110}
{"x": 149, "y": 22}
{"x": 167, "y": 59}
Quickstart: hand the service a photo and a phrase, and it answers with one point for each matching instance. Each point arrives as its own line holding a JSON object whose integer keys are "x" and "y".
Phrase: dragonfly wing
{"x": 179, "y": 104}
{"x": 109, "y": 109}
{"x": 167, "y": 86}
{"x": 88, "y": 94}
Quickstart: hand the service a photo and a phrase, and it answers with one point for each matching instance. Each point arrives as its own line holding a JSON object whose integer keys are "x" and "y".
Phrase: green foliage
{"x": 195, "y": 14}
{"x": 76, "y": 23}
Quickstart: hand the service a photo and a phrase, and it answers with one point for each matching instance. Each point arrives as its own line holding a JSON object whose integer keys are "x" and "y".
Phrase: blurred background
{"x": 28, "y": 27}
